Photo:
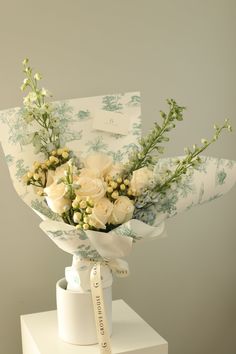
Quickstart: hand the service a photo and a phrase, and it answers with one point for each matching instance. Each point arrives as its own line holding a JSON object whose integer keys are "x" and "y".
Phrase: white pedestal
{"x": 131, "y": 334}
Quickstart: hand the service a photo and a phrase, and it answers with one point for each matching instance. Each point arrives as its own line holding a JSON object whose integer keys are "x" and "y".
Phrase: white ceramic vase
{"x": 76, "y": 323}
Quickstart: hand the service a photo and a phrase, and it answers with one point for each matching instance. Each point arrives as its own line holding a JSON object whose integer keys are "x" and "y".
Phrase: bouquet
{"x": 96, "y": 205}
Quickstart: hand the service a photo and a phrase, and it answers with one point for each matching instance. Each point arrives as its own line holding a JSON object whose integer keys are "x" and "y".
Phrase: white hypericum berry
{"x": 83, "y": 204}
{"x": 77, "y": 217}
{"x": 36, "y": 176}
{"x": 65, "y": 155}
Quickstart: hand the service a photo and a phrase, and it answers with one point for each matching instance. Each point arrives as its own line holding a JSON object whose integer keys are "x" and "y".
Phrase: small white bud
{"x": 86, "y": 220}
{"x": 25, "y": 61}
{"x": 83, "y": 204}
{"x": 86, "y": 226}
{"x": 44, "y": 92}
{"x": 65, "y": 155}
{"x": 37, "y": 76}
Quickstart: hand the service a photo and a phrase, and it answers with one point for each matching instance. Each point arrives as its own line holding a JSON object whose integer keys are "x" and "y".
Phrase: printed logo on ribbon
{"x": 99, "y": 310}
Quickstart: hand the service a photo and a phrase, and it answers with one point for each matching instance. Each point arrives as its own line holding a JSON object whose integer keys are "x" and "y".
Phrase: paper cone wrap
{"x": 213, "y": 178}
{"x": 76, "y": 119}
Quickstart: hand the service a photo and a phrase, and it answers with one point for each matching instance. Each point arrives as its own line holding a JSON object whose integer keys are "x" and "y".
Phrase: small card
{"x": 112, "y": 122}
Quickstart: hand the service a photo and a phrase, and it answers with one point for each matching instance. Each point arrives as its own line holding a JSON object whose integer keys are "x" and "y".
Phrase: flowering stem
{"x": 143, "y": 156}
{"x": 191, "y": 160}
{"x": 38, "y": 110}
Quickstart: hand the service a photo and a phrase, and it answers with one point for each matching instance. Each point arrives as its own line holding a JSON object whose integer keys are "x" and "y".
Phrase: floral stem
{"x": 191, "y": 160}
{"x": 143, "y": 156}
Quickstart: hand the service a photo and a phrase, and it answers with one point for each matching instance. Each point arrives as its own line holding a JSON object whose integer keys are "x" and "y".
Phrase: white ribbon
{"x": 111, "y": 247}
{"x": 121, "y": 269}
{"x": 99, "y": 310}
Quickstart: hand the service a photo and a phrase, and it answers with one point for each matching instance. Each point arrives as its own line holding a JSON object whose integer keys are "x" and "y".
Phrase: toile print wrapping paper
{"x": 213, "y": 179}
{"x": 76, "y": 119}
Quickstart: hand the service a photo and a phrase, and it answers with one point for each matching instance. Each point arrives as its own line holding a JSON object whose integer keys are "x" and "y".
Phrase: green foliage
{"x": 191, "y": 160}
{"x": 170, "y": 179}
{"x": 37, "y": 108}
{"x": 150, "y": 145}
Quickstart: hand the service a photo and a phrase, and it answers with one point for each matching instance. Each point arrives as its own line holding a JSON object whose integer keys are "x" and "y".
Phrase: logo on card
{"x": 111, "y": 122}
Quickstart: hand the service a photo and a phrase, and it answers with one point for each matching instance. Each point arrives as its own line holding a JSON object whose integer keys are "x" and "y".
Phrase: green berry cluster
{"x": 118, "y": 186}
{"x": 57, "y": 158}
{"x": 38, "y": 175}
{"x": 82, "y": 209}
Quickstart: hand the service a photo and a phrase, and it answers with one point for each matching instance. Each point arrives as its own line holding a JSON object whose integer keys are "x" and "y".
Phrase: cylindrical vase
{"x": 75, "y": 314}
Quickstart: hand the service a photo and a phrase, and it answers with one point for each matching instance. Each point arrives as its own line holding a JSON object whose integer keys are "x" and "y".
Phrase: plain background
{"x": 184, "y": 285}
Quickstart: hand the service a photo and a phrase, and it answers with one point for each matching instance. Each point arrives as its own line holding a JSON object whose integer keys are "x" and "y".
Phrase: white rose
{"x": 101, "y": 213}
{"x": 55, "y": 197}
{"x": 59, "y": 172}
{"x": 140, "y": 180}
{"x": 90, "y": 172}
{"x": 94, "y": 188}
{"x": 116, "y": 170}
{"x": 50, "y": 177}
{"x": 55, "y": 175}
{"x": 122, "y": 211}
{"x": 98, "y": 161}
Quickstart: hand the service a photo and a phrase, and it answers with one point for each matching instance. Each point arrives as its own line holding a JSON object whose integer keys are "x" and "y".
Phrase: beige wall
{"x": 184, "y": 285}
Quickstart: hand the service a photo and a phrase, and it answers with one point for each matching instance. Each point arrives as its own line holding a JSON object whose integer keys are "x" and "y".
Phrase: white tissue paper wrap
{"x": 213, "y": 179}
